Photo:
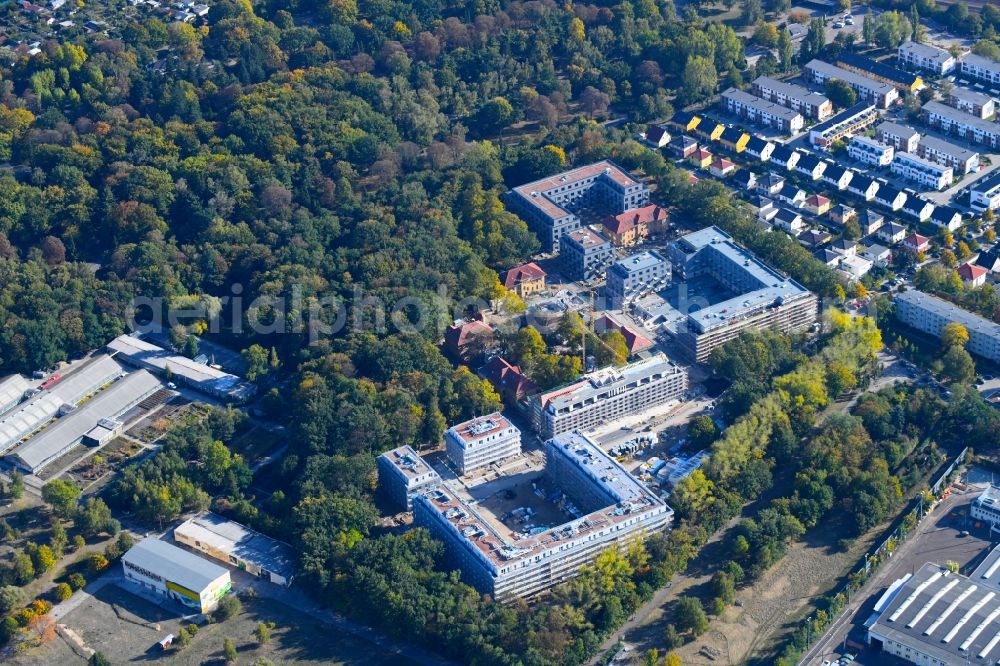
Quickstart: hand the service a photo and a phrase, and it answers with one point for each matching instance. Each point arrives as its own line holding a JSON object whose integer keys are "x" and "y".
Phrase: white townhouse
{"x": 926, "y": 57}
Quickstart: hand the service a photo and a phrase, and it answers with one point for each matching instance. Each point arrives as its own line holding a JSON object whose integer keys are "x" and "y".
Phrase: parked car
{"x": 838, "y": 25}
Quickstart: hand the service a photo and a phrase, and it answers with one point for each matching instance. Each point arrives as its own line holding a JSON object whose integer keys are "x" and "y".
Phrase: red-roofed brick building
{"x": 972, "y": 275}
{"x": 817, "y": 204}
{"x": 701, "y": 158}
{"x": 722, "y": 167}
{"x": 631, "y": 227}
{"x": 916, "y": 243}
{"x": 525, "y": 279}
{"x": 508, "y": 380}
{"x": 635, "y": 340}
{"x": 468, "y": 340}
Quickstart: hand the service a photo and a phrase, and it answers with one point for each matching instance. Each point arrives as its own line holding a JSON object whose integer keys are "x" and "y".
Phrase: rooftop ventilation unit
{"x": 482, "y": 427}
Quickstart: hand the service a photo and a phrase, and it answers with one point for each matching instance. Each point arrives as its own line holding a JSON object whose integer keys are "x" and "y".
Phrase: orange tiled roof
{"x": 518, "y": 274}
{"x": 635, "y": 340}
{"x": 971, "y": 272}
{"x": 460, "y": 335}
{"x": 618, "y": 224}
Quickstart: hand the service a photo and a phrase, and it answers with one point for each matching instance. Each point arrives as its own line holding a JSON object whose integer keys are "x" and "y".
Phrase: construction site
{"x": 524, "y": 533}
{"x": 522, "y": 504}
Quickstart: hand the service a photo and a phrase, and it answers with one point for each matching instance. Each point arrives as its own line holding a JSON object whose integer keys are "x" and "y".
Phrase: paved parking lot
{"x": 857, "y": 14}
{"x": 944, "y": 196}
{"x": 939, "y": 540}
{"x": 127, "y": 628}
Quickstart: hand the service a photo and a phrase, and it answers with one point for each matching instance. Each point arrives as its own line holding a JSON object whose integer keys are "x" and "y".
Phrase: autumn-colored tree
{"x": 97, "y": 563}
{"x": 557, "y": 151}
{"x": 43, "y": 559}
{"x": 62, "y": 592}
{"x": 963, "y": 251}
{"x": 43, "y": 627}
{"x": 765, "y": 34}
{"x": 954, "y": 335}
{"x": 948, "y": 258}
{"x": 593, "y": 101}
{"x": 839, "y": 378}
{"x": 53, "y": 251}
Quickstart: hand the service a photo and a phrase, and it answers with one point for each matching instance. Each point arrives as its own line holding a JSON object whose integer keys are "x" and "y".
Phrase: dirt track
{"x": 768, "y": 606}
{"x": 773, "y": 604}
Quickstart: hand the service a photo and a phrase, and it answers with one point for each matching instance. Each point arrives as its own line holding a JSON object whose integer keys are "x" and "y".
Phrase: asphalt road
{"x": 937, "y": 540}
{"x": 292, "y": 596}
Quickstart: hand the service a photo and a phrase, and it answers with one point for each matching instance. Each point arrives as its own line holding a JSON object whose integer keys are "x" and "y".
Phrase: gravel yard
{"x": 126, "y": 628}
{"x": 769, "y": 605}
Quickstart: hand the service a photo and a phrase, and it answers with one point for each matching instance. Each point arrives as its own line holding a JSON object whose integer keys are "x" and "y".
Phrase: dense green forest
{"x": 307, "y": 149}
{"x": 298, "y": 152}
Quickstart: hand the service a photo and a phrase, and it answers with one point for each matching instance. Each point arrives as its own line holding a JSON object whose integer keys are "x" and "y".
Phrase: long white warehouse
{"x": 172, "y": 572}
{"x": 45, "y": 447}
{"x": 139, "y": 353}
{"x": 65, "y": 394}
{"x": 238, "y": 546}
{"x": 12, "y": 390}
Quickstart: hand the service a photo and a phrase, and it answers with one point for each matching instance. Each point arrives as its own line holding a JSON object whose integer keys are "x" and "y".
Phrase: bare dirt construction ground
{"x": 772, "y": 603}
{"x": 767, "y": 607}
{"x": 126, "y": 628}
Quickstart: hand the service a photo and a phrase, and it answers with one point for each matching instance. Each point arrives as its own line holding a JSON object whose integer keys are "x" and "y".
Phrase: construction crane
{"x": 588, "y": 327}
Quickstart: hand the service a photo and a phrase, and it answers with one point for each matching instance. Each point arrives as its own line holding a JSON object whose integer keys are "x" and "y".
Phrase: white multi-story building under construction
{"x": 482, "y": 441}
{"x": 764, "y": 297}
{"x": 402, "y": 475}
{"x": 635, "y": 276}
{"x": 550, "y": 206}
{"x": 610, "y": 508}
{"x": 608, "y": 395}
